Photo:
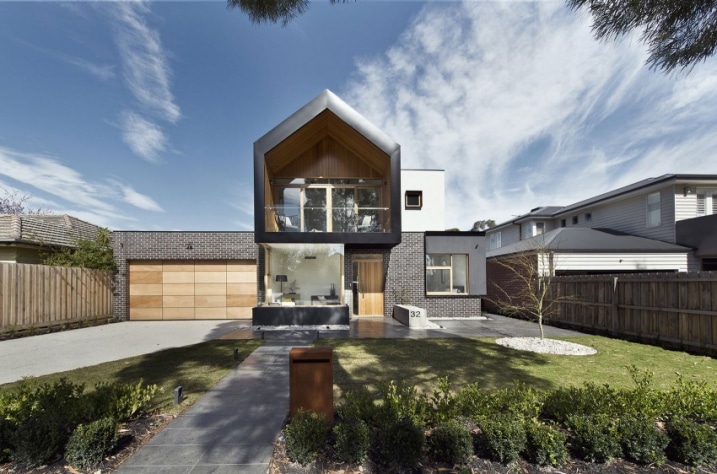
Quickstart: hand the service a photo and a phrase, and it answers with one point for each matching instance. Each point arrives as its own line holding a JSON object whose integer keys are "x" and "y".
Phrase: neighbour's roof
{"x": 583, "y": 239}
{"x": 554, "y": 211}
{"x": 62, "y": 230}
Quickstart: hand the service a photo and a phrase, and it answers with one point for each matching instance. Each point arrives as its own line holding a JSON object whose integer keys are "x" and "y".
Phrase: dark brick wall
{"x": 130, "y": 245}
{"x": 500, "y": 277}
{"x": 405, "y": 267}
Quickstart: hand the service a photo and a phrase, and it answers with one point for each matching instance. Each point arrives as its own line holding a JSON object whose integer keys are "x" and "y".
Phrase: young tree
{"x": 14, "y": 203}
{"x": 526, "y": 289}
{"x": 678, "y": 33}
{"x": 96, "y": 254}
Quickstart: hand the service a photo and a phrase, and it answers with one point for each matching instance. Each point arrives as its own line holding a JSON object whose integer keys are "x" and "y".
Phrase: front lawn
{"x": 420, "y": 362}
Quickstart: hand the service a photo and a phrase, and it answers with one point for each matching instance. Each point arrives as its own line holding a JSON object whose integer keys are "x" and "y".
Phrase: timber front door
{"x": 368, "y": 291}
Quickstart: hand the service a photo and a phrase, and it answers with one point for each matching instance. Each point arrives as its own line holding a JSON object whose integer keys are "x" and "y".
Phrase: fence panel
{"x": 670, "y": 309}
{"x": 40, "y": 295}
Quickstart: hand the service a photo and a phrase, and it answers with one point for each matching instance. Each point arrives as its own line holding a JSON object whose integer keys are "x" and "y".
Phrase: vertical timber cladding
{"x": 191, "y": 289}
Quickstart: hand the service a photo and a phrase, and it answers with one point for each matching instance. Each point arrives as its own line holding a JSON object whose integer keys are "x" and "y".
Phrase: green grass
{"x": 371, "y": 362}
{"x": 197, "y": 368}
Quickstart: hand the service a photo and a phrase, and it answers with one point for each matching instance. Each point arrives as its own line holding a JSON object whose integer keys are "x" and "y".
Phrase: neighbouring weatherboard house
{"x": 340, "y": 230}
{"x": 663, "y": 224}
{"x": 28, "y": 238}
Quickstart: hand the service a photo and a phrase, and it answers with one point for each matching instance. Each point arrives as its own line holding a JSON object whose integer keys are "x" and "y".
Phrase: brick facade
{"x": 406, "y": 278}
{"x": 404, "y": 267}
{"x": 131, "y": 245}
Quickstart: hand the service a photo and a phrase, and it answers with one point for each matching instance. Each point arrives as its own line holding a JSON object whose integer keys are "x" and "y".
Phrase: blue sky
{"x": 143, "y": 115}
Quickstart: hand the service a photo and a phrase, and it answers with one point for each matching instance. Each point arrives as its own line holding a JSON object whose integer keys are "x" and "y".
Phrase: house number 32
{"x": 415, "y": 314}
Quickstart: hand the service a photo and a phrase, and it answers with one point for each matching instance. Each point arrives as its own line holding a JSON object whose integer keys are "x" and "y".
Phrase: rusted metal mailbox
{"x": 311, "y": 380}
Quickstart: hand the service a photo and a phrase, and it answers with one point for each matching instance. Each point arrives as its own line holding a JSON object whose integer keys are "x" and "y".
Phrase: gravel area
{"x": 545, "y": 346}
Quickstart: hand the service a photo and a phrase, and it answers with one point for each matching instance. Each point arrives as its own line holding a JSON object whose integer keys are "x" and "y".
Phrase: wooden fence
{"x": 673, "y": 310}
{"x": 34, "y": 296}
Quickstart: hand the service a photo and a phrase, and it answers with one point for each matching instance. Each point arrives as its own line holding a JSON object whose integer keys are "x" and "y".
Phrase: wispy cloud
{"x": 147, "y": 74}
{"x": 145, "y": 138}
{"x": 242, "y": 195}
{"x": 65, "y": 190}
{"x": 101, "y": 71}
{"x": 144, "y": 61}
{"x": 523, "y": 107}
{"x": 139, "y": 200}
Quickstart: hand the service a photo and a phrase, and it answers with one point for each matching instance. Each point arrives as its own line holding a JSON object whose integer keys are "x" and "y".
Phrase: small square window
{"x": 414, "y": 199}
{"x": 588, "y": 216}
{"x": 575, "y": 220}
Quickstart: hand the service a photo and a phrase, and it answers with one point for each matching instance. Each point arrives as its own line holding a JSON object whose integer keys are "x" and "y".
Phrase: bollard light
{"x": 178, "y": 395}
{"x": 236, "y": 354}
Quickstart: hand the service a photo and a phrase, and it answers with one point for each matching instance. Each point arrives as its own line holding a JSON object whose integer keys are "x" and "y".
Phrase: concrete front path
{"x": 232, "y": 428}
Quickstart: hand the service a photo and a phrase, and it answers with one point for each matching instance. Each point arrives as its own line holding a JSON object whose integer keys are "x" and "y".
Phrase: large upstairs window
{"x": 329, "y": 205}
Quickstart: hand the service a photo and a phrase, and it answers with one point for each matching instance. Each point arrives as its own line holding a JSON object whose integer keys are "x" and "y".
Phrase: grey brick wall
{"x": 131, "y": 245}
{"x": 404, "y": 268}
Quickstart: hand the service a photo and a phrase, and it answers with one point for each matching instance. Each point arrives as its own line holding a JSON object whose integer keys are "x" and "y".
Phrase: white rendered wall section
{"x": 431, "y": 214}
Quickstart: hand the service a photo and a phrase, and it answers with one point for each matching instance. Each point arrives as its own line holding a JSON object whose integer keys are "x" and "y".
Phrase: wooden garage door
{"x": 191, "y": 289}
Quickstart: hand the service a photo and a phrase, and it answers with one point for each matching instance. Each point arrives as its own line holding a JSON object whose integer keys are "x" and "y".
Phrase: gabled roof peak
{"x": 326, "y": 100}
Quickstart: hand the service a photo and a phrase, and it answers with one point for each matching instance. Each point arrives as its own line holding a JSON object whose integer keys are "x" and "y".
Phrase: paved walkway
{"x": 231, "y": 429}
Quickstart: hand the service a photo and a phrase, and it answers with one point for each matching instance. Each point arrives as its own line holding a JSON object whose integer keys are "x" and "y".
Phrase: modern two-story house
{"x": 668, "y": 223}
{"x": 341, "y": 230}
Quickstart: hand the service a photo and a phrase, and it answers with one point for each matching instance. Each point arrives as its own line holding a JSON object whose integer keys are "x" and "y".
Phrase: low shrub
{"x": 37, "y": 439}
{"x": 358, "y": 405}
{"x": 595, "y": 437}
{"x": 90, "y": 443}
{"x": 641, "y": 440}
{"x": 692, "y": 443}
{"x": 471, "y": 401}
{"x": 402, "y": 443}
{"x": 402, "y": 401}
{"x": 451, "y": 442}
{"x": 546, "y": 444}
{"x": 590, "y": 399}
{"x": 352, "y": 441}
{"x": 518, "y": 400}
{"x": 443, "y": 402}
{"x": 693, "y": 400}
{"x": 306, "y": 436}
{"x": 502, "y": 437}
{"x": 130, "y": 400}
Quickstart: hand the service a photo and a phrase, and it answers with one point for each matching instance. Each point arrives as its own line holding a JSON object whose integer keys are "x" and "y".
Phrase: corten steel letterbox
{"x": 311, "y": 380}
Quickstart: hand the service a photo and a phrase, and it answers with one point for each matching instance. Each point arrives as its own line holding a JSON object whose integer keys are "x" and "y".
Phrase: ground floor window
{"x": 304, "y": 274}
{"x": 446, "y": 274}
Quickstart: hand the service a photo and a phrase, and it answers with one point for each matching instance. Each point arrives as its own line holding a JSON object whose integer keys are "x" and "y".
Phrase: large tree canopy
{"x": 271, "y": 11}
{"x": 678, "y": 33}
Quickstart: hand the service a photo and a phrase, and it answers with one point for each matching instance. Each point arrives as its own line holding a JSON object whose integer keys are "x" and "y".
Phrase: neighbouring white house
{"x": 667, "y": 223}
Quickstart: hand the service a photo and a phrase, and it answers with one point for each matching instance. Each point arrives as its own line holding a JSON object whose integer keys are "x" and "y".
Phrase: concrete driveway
{"x": 67, "y": 350}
